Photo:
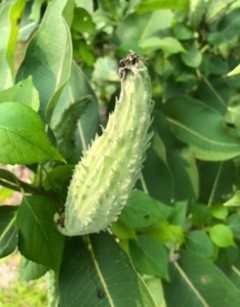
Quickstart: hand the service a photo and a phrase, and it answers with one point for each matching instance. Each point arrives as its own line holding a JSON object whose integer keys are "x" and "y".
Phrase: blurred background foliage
{"x": 192, "y": 168}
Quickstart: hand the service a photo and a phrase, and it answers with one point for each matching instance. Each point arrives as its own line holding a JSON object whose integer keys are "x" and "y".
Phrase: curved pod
{"x": 104, "y": 178}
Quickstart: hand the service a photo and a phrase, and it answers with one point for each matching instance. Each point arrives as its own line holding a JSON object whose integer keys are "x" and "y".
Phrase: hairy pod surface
{"x": 103, "y": 180}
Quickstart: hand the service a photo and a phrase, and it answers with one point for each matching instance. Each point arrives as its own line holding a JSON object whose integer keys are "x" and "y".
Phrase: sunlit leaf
{"x": 150, "y": 5}
{"x": 22, "y": 136}
{"x": 234, "y": 201}
{"x": 23, "y": 92}
{"x": 10, "y": 12}
{"x": 219, "y": 212}
{"x": 49, "y": 55}
{"x": 235, "y": 71}
{"x": 221, "y": 235}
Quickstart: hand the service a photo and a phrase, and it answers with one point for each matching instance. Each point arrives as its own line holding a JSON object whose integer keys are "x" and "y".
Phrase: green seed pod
{"x": 104, "y": 178}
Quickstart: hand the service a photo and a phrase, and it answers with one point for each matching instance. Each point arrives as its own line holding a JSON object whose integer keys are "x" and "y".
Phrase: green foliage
{"x": 93, "y": 269}
{"x": 46, "y": 245}
{"x": 24, "y": 294}
{"x": 17, "y": 292}
{"x": 177, "y": 241}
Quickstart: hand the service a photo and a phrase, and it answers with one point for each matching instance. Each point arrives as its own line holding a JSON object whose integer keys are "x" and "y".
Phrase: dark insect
{"x": 100, "y": 293}
{"x": 125, "y": 64}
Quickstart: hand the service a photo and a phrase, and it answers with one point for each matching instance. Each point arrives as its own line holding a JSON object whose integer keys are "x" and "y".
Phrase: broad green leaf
{"x": 169, "y": 45}
{"x": 151, "y": 5}
{"x": 166, "y": 232}
{"x": 76, "y": 89}
{"x": 123, "y": 231}
{"x": 66, "y": 128}
{"x": 180, "y": 165}
{"x": 49, "y": 55}
{"x": 192, "y": 57}
{"x": 23, "y": 92}
{"x": 221, "y": 235}
{"x": 219, "y": 212}
{"x": 8, "y": 230}
{"x": 68, "y": 13}
{"x": 14, "y": 15}
{"x": 143, "y": 211}
{"x": 39, "y": 239}
{"x": 182, "y": 82}
{"x": 22, "y": 136}
{"x": 201, "y": 127}
{"x": 149, "y": 256}
{"x": 197, "y": 282}
{"x": 156, "y": 173}
{"x": 82, "y": 22}
{"x": 198, "y": 241}
{"x": 87, "y": 279}
{"x": 10, "y": 12}
{"x": 137, "y": 28}
{"x": 30, "y": 270}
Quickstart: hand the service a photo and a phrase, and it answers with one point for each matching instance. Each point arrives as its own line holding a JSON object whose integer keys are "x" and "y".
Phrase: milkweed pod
{"x": 114, "y": 161}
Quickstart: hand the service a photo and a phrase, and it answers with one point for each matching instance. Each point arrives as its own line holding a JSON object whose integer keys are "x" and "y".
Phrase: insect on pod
{"x": 104, "y": 178}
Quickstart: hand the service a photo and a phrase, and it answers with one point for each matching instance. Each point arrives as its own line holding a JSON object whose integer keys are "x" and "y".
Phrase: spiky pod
{"x": 104, "y": 178}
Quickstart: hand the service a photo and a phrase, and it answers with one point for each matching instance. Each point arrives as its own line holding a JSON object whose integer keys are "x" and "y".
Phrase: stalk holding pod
{"x": 104, "y": 178}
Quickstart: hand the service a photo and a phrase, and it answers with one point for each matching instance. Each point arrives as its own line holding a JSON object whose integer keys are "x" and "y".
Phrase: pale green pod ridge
{"x": 103, "y": 180}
